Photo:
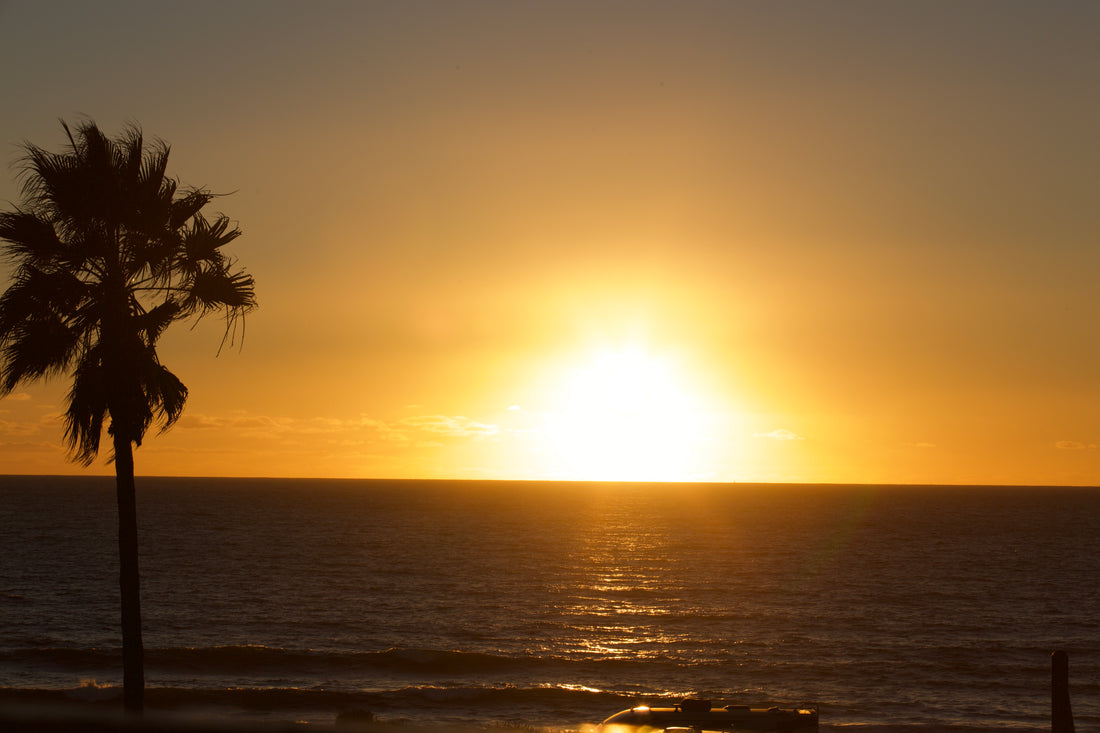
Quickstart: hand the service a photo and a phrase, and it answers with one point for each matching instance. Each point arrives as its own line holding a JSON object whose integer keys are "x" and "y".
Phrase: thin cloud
{"x": 1074, "y": 445}
{"x": 24, "y": 446}
{"x": 428, "y": 444}
{"x": 418, "y": 430}
{"x": 200, "y": 422}
{"x": 780, "y": 434}
{"x": 252, "y": 422}
{"x": 14, "y": 428}
{"x": 453, "y": 427}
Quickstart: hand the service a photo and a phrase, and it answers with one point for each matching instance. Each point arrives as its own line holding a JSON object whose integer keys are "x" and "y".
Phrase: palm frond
{"x": 30, "y": 238}
{"x": 129, "y": 154}
{"x": 87, "y": 412}
{"x": 43, "y": 347}
{"x": 153, "y": 323}
{"x": 36, "y": 294}
{"x": 203, "y": 239}
{"x": 166, "y": 393}
{"x": 217, "y": 287}
{"x": 188, "y": 205}
{"x": 128, "y": 404}
{"x": 77, "y": 189}
{"x": 40, "y": 331}
{"x": 152, "y": 175}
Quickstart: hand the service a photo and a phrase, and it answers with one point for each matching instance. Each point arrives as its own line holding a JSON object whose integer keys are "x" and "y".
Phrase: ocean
{"x": 559, "y": 604}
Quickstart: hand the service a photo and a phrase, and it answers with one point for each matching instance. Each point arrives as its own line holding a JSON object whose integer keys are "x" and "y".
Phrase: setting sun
{"x": 626, "y": 414}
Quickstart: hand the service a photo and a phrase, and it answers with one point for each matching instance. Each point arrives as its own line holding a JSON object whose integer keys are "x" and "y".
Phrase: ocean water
{"x": 559, "y": 604}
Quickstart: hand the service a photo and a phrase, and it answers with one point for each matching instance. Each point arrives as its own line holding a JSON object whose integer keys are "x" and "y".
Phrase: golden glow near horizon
{"x": 676, "y": 241}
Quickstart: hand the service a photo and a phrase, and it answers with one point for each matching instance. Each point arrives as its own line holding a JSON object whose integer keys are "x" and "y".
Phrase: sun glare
{"x": 627, "y": 415}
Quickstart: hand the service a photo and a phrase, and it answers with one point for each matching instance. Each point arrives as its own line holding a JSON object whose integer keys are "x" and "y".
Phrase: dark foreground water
{"x": 559, "y": 604}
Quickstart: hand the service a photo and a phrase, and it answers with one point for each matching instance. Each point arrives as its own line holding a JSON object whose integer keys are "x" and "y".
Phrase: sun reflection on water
{"x": 620, "y": 587}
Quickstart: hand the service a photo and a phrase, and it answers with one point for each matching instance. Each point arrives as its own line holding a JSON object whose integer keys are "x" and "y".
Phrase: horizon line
{"x": 609, "y": 482}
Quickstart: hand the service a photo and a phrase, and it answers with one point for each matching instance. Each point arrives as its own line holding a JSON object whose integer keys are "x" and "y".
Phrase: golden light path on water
{"x": 624, "y": 580}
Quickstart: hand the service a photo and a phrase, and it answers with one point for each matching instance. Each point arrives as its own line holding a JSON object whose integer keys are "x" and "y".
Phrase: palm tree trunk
{"x": 129, "y": 579}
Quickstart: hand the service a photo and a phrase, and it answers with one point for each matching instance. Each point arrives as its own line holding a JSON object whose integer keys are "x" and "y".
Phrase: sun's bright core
{"x": 627, "y": 415}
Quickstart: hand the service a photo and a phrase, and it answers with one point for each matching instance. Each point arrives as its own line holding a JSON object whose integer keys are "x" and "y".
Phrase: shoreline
{"x": 50, "y": 712}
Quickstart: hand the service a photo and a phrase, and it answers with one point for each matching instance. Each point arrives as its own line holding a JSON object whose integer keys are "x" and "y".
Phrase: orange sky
{"x": 835, "y": 242}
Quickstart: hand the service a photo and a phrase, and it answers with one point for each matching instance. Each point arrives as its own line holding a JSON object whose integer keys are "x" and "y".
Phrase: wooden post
{"x": 1061, "y": 716}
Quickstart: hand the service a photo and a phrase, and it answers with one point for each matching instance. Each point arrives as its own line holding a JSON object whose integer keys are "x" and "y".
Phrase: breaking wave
{"x": 249, "y": 658}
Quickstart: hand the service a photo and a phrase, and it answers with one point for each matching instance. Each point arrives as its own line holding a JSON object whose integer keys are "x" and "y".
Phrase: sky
{"x": 720, "y": 241}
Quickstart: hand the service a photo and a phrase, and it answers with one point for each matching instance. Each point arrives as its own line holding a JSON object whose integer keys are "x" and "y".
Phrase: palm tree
{"x": 108, "y": 252}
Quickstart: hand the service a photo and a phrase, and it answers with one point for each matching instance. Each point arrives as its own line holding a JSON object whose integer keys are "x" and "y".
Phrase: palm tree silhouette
{"x": 108, "y": 252}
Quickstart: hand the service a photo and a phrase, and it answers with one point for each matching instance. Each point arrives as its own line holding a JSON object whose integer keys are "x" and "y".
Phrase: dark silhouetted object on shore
{"x": 703, "y": 715}
{"x": 1061, "y": 715}
{"x": 108, "y": 251}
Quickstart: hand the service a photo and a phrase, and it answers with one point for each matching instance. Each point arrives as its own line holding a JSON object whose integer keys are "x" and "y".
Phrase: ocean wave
{"x": 484, "y": 703}
{"x": 393, "y": 660}
{"x": 249, "y": 658}
{"x": 64, "y": 657}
